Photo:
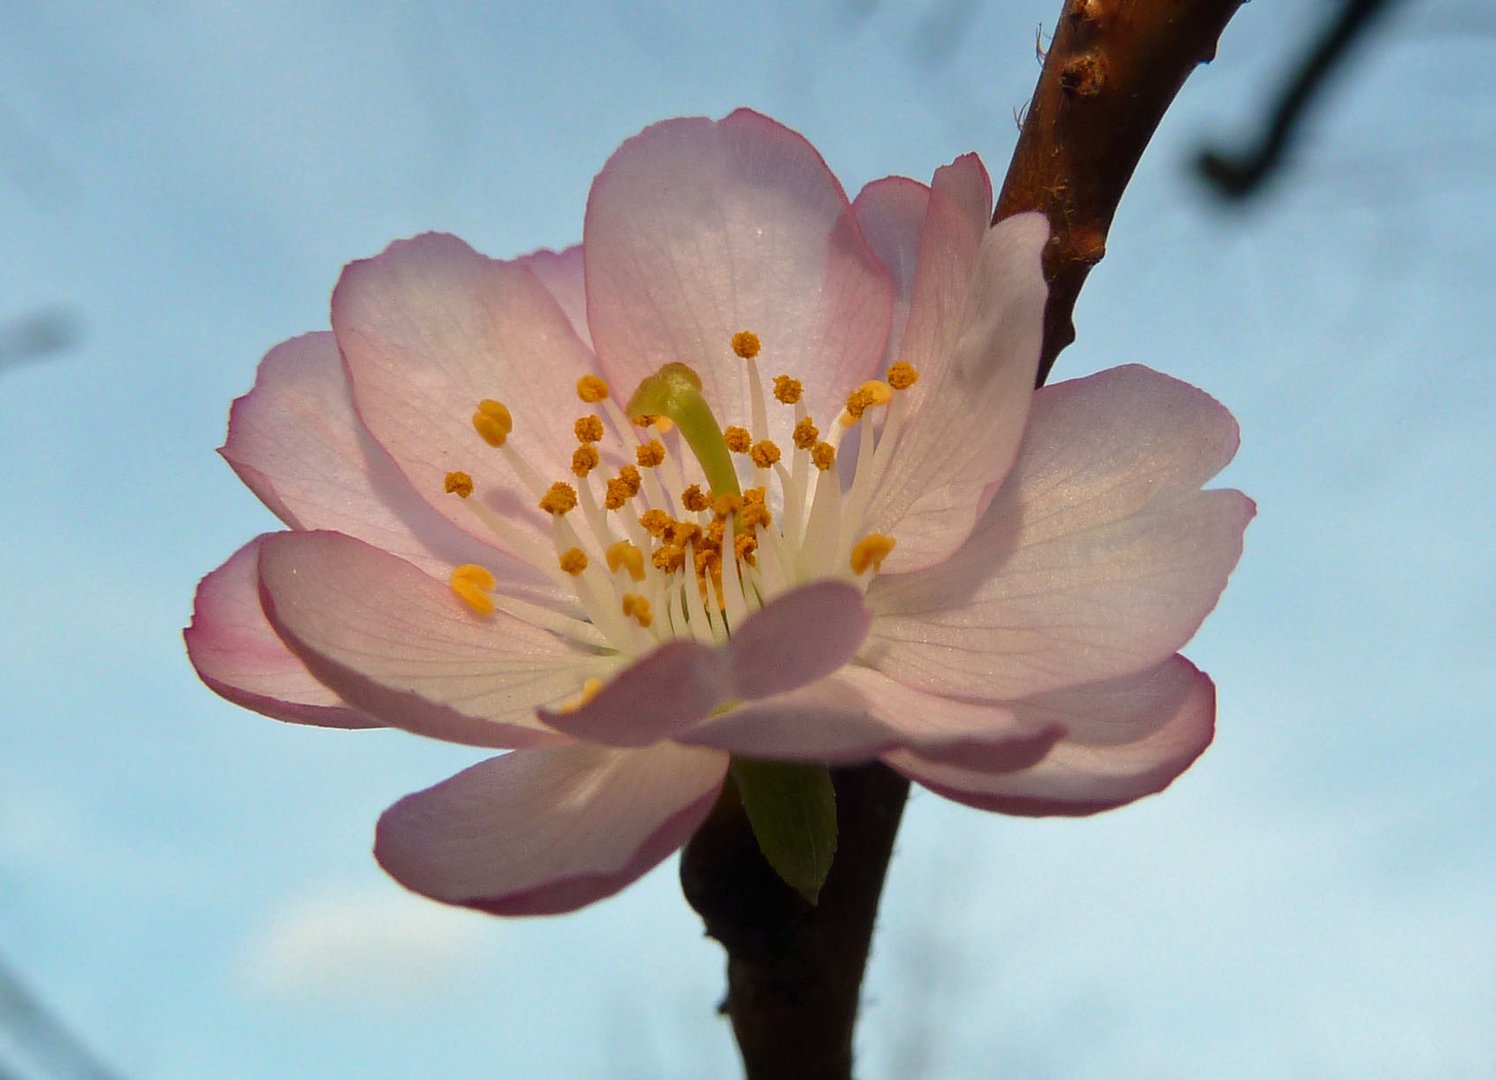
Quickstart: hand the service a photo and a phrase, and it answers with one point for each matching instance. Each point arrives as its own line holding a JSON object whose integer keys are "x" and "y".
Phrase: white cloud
{"x": 362, "y": 947}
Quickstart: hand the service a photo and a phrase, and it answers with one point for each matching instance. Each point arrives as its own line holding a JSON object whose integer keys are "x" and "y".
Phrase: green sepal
{"x": 792, "y": 809}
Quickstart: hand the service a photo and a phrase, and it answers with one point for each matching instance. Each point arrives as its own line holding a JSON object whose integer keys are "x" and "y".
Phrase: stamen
{"x": 694, "y": 499}
{"x": 458, "y": 483}
{"x": 870, "y": 551}
{"x": 805, "y": 434}
{"x": 592, "y": 389}
{"x": 746, "y": 344}
{"x": 871, "y": 393}
{"x": 764, "y": 453}
{"x": 629, "y": 557}
{"x": 471, "y": 584}
{"x": 559, "y": 499}
{"x": 901, "y": 375}
{"x": 738, "y": 439}
{"x": 637, "y": 608}
{"x": 655, "y": 522}
{"x": 824, "y": 455}
{"x": 584, "y": 459}
{"x": 787, "y": 390}
{"x": 493, "y": 422}
{"x": 573, "y": 561}
{"x": 649, "y": 454}
{"x": 589, "y": 428}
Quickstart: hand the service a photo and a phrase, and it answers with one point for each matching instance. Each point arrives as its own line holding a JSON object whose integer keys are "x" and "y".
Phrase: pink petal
{"x": 395, "y": 643}
{"x": 1097, "y": 558}
{"x": 977, "y": 361}
{"x": 698, "y": 229}
{"x": 1128, "y": 738}
{"x": 430, "y": 328}
{"x": 545, "y": 831}
{"x": 858, "y": 714}
{"x": 891, "y": 212}
{"x": 796, "y": 638}
{"x": 298, "y": 444}
{"x": 561, "y": 273}
{"x": 241, "y": 658}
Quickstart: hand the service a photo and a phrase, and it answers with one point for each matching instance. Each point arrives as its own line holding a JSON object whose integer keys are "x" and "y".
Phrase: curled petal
{"x": 1097, "y": 558}
{"x": 859, "y": 714}
{"x": 430, "y": 328}
{"x": 965, "y": 417}
{"x": 697, "y": 229}
{"x": 797, "y": 638}
{"x": 397, "y": 644}
{"x": 547, "y": 831}
{"x": 1127, "y": 738}
{"x": 240, "y": 656}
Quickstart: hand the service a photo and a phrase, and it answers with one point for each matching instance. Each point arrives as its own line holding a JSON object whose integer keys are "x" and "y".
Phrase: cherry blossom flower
{"x": 754, "y": 470}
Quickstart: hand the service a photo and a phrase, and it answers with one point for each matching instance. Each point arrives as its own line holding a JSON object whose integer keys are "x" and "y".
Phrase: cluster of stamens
{"x": 651, "y": 556}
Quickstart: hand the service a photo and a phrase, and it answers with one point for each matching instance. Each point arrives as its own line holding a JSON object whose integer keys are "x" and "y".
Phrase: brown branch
{"x": 794, "y": 972}
{"x": 1113, "y": 68}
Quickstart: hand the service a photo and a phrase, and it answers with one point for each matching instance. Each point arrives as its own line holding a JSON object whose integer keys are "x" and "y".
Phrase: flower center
{"x": 649, "y": 554}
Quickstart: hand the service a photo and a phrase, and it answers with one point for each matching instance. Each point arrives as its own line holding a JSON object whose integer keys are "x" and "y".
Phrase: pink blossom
{"x": 985, "y": 587}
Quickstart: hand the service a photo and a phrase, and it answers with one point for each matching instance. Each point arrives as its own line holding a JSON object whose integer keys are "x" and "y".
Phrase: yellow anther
{"x": 681, "y": 533}
{"x": 471, "y": 584}
{"x": 636, "y": 607}
{"x": 628, "y": 557}
{"x": 493, "y": 422}
{"x": 650, "y": 454}
{"x": 662, "y": 424}
{"x": 901, "y": 375}
{"x": 590, "y": 690}
{"x": 871, "y": 393}
{"x": 754, "y": 511}
{"x": 629, "y": 476}
{"x": 805, "y": 434}
{"x": 655, "y": 522}
{"x": 668, "y": 558}
{"x": 823, "y": 454}
{"x": 764, "y": 453}
{"x": 559, "y": 499}
{"x": 584, "y": 459}
{"x": 573, "y": 561}
{"x": 592, "y": 389}
{"x": 787, "y": 390}
{"x": 870, "y": 551}
{"x": 744, "y": 547}
{"x": 458, "y": 483}
{"x": 694, "y": 499}
{"x": 738, "y": 440}
{"x": 723, "y": 505}
{"x": 746, "y": 344}
{"x": 588, "y": 428}
{"x": 616, "y": 494}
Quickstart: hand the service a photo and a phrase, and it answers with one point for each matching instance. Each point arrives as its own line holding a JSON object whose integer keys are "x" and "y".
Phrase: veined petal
{"x": 1097, "y": 558}
{"x": 561, "y": 273}
{"x": 430, "y": 328}
{"x": 547, "y": 831}
{"x": 1127, "y": 738}
{"x": 858, "y": 714}
{"x": 396, "y": 643}
{"x": 697, "y": 229}
{"x": 240, "y": 656}
{"x": 795, "y": 639}
{"x": 966, "y": 414}
{"x": 296, "y": 441}
{"x": 892, "y": 212}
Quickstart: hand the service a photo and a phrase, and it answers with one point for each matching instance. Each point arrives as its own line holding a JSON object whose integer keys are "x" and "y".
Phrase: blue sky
{"x": 190, "y": 884}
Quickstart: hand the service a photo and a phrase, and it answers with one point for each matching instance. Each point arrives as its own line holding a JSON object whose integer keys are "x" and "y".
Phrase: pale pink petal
{"x": 697, "y": 229}
{"x": 561, "y": 273}
{"x": 546, "y": 831}
{"x": 891, "y": 212}
{"x": 964, "y": 417}
{"x": 1099, "y": 556}
{"x": 297, "y": 442}
{"x": 796, "y": 638}
{"x": 858, "y": 714}
{"x": 241, "y": 658}
{"x": 1128, "y": 738}
{"x": 430, "y": 328}
{"x": 397, "y": 644}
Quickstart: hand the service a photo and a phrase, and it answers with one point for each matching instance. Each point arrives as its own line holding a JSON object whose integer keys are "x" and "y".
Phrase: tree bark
{"x": 794, "y": 971}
